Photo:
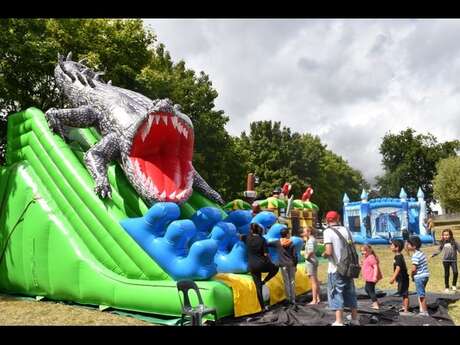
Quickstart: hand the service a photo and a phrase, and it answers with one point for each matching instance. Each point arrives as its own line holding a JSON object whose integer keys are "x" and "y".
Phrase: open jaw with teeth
{"x": 161, "y": 158}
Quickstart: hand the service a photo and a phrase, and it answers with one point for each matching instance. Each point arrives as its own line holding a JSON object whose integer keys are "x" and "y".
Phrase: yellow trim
{"x": 244, "y": 291}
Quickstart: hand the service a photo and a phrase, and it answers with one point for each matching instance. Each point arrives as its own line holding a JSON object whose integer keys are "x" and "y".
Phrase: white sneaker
{"x": 337, "y": 324}
{"x": 446, "y": 290}
{"x": 351, "y": 321}
{"x": 454, "y": 288}
{"x": 355, "y": 323}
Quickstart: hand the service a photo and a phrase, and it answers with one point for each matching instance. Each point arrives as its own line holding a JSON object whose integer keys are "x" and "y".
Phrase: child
{"x": 311, "y": 264}
{"x": 258, "y": 260}
{"x": 449, "y": 247}
{"x": 419, "y": 273}
{"x": 400, "y": 274}
{"x": 287, "y": 262}
{"x": 371, "y": 273}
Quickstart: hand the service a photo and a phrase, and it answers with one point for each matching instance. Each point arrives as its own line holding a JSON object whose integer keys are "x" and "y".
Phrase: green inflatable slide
{"x": 59, "y": 240}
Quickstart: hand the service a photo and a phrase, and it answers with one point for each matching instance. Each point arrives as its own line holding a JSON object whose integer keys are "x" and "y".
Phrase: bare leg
{"x": 339, "y": 316}
{"x": 422, "y": 302}
{"x": 354, "y": 314}
{"x": 406, "y": 304}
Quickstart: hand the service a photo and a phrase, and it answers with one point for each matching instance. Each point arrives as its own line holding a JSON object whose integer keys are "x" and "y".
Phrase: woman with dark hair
{"x": 258, "y": 260}
{"x": 449, "y": 247}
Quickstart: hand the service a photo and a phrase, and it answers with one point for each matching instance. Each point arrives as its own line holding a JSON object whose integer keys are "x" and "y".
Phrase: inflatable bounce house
{"x": 377, "y": 221}
{"x": 100, "y": 205}
{"x": 297, "y": 214}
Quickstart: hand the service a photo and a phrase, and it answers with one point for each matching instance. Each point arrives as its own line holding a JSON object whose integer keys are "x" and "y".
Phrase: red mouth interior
{"x": 164, "y": 156}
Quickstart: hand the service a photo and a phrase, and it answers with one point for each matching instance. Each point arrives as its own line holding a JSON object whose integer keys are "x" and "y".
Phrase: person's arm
{"x": 375, "y": 269}
{"x": 395, "y": 274}
{"x": 327, "y": 244}
{"x": 327, "y": 250}
{"x": 272, "y": 243}
{"x": 294, "y": 255}
{"x": 414, "y": 270}
{"x": 265, "y": 247}
{"x": 438, "y": 251}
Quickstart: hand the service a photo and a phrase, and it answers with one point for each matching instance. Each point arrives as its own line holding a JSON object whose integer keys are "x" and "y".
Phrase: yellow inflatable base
{"x": 244, "y": 290}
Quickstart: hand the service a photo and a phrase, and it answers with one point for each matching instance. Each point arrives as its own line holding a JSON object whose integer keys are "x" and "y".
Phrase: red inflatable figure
{"x": 286, "y": 189}
{"x": 308, "y": 193}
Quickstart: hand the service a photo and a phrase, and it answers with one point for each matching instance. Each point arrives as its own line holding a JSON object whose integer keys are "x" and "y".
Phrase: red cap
{"x": 332, "y": 216}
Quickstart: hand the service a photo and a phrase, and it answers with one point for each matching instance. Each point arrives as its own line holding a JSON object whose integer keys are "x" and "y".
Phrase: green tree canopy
{"x": 409, "y": 161}
{"x": 28, "y": 55}
{"x": 446, "y": 183}
{"x": 276, "y": 155}
{"x": 132, "y": 60}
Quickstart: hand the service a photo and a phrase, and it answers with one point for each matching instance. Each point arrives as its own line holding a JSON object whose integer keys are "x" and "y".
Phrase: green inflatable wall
{"x": 58, "y": 239}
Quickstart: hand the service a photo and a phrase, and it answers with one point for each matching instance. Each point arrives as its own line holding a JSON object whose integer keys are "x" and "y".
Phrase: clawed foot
{"x": 103, "y": 190}
{"x": 54, "y": 123}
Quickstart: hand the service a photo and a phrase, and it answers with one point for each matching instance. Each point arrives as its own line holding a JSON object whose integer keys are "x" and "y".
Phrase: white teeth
{"x": 155, "y": 190}
{"x": 181, "y": 194}
{"x": 174, "y": 121}
{"x": 146, "y": 129}
{"x": 163, "y": 195}
{"x": 165, "y": 119}
{"x": 157, "y": 119}
{"x": 172, "y": 195}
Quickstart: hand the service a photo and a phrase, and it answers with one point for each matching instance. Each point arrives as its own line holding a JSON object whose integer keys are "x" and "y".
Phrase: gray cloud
{"x": 348, "y": 81}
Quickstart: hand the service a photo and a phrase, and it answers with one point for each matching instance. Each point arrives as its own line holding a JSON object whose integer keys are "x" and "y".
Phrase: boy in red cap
{"x": 340, "y": 289}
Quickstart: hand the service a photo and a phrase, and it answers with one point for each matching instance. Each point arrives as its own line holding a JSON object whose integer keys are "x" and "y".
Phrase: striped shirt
{"x": 311, "y": 245}
{"x": 419, "y": 260}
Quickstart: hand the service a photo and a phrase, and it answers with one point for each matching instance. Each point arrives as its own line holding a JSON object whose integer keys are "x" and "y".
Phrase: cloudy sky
{"x": 347, "y": 81}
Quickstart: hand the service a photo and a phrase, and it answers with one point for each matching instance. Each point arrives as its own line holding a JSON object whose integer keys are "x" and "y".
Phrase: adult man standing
{"x": 340, "y": 289}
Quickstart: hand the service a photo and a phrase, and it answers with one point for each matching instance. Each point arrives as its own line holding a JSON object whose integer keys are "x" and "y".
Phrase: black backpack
{"x": 348, "y": 266}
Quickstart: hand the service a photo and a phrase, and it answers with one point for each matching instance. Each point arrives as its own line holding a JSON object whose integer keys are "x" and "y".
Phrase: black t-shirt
{"x": 257, "y": 248}
{"x": 399, "y": 261}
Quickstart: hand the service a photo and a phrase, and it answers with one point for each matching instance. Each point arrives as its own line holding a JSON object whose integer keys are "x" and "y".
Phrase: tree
{"x": 215, "y": 154}
{"x": 277, "y": 155}
{"x": 28, "y": 55}
{"x": 409, "y": 161}
{"x": 446, "y": 183}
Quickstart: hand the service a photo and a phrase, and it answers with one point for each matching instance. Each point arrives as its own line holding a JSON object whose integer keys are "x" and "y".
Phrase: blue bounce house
{"x": 377, "y": 221}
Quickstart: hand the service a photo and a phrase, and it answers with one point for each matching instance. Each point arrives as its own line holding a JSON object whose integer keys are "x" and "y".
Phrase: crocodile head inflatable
{"x": 152, "y": 139}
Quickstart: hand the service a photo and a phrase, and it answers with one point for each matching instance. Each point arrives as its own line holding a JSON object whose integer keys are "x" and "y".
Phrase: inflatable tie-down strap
{"x": 202, "y": 246}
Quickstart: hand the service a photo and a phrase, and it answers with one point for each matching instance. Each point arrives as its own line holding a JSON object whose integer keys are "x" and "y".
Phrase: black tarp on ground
{"x": 319, "y": 315}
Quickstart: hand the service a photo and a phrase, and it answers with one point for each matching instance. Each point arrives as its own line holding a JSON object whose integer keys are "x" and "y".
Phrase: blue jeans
{"x": 420, "y": 284}
{"x": 340, "y": 292}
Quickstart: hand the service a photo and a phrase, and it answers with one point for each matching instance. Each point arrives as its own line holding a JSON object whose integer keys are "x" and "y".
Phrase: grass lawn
{"x": 435, "y": 283}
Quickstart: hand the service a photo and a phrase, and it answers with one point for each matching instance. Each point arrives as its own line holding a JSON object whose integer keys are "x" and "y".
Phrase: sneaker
{"x": 454, "y": 288}
{"x": 355, "y": 323}
{"x": 423, "y": 313}
{"x": 351, "y": 321}
{"x": 406, "y": 313}
{"x": 337, "y": 324}
{"x": 446, "y": 290}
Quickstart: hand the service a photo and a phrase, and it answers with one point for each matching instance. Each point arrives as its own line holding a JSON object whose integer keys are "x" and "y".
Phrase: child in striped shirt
{"x": 419, "y": 273}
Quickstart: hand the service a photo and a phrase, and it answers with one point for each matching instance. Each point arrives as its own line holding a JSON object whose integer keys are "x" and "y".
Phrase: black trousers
{"x": 447, "y": 265}
{"x": 257, "y": 277}
{"x": 370, "y": 290}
